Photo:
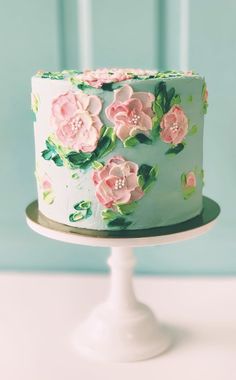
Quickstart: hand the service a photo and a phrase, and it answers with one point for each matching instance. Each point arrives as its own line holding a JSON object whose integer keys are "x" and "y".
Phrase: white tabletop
{"x": 39, "y": 312}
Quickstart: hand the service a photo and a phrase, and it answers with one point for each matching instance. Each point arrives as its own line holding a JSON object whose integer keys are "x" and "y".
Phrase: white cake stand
{"x": 122, "y": 329}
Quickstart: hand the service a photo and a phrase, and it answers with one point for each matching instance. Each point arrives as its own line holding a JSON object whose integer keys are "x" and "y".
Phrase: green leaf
{"x": 76, "y": 216}
{"x": 52, "y": 75}
{"x": 88, "y": 213}
{"x": 106, "y": 143}
{"x": 57, "y": 160}
{"x": 119, "y": 222}
{"x": 75, "y": 176}
{"x": 82, "y": 85}
{"x": 154, "y": 172}
{"x": 82, "y": 205}
{"x": 147, "y": 175}
{"x": 130, "y": 142}
{"x": 193, "y": 130}
{"x": 170, "y": 94}
{"x": 147, "y": 186}
{"x": 175, "y": 149}
{"x": 188, "y": 192}
{"x": 164, "y": 99}
{"x": 46, "y": 154}
{"x": 50, "y": 146}
{"x": 141, "y": 181}
{"x": 97, "y": 165}
{"x": 108, "y": 214}
{"x": 155, "y": 128}
{"x": 134, "y": 140}
{"x": 79, "y": 159}
{"x": 143, "y": 139}
{"x": 107, "y": 86}
{"x": 175, "y": 100}
{"x": 103, "y": 146}
{"x": 127, "y": 209}
{"x": 157, "y": 109}
{"x": 183, "y": 179}
{"x": 144, "y": 171}
{"x": 48, "y": 197}
{"x": 160, "y": 88}
{"x": 205, "y": 106}
{"x": 160, "y": 95}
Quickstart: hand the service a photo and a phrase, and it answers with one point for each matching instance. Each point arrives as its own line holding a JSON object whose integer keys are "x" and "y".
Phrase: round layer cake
{"x": 119, "y": 148}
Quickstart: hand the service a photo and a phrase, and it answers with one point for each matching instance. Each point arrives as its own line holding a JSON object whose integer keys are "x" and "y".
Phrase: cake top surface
{"x": 103, "y": 77}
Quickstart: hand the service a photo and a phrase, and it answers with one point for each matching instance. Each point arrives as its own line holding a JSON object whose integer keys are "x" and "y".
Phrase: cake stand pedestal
{"x": 122, "y": 329}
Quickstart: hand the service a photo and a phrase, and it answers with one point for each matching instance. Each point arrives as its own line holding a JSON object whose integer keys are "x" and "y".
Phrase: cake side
{"x": 124, "y": 155}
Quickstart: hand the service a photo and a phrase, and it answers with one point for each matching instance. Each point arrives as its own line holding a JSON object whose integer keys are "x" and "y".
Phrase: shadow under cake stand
{"x": 122, "y": 329}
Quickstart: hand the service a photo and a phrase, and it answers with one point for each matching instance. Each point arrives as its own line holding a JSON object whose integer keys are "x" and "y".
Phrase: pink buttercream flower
{"x": 205, "y": 96}
{"x": 64, "y": 107}
{"x": 188, "y": 73}
{"x": 174, "y": 126}
{"x": 130, "y": 112}
{"x": 75, "y": 115}
{"x": 96, "y": 78}
{"x": 46, "y": 185}
{"x": 117, "y": 182}
{"x": 190, "y": 180}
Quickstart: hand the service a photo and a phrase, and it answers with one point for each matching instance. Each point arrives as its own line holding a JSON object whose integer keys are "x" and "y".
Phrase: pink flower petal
{"x": 85, "y": 118}
{"x": 104, "y": 194}
{"x": 129, "y": 168}
{"x": 82, "y": 100}
{"x": 86, "y": 140}
{"x": 149, "y": 112}
{"x": 46, "y": 184}
{"x": 122, "y": 196}
{"x": 95, "y": 105}
{"x": 95, "y": 177}
{"x": 136, "y": 194}
{"x": 122, "y": 132}
{"x": 111, "y": 181}
{"x": 134, "y": 105}
{"x": 131, "y": 182}
{"x": 145, "y": 122}
{"x": 116, "y": 160}
{"x": 102, "y": 173}
{"x": 116, "y": 171}
{"x": 122, "y": 94}
{"x": 64, "y": 107}
{"x": 191, "y": 180}
{"x": 121, "y": 118}
{"x": 96, "y": 121}
{"x": 145, "y": 97}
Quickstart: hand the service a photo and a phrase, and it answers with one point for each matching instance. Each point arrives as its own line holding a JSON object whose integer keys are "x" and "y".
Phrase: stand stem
{"x": 122, "y": 296}
{"x": 121, "y": 329}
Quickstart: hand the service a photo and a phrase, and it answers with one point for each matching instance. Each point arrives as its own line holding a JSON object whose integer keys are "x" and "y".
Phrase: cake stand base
{"x": 122, "y": 329}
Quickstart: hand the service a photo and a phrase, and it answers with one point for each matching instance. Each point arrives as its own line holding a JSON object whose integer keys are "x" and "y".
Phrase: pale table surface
{"x": 38, "y": 314}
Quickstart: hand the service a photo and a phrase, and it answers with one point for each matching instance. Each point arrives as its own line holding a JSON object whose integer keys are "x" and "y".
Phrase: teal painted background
{"x": 44, "y": 35}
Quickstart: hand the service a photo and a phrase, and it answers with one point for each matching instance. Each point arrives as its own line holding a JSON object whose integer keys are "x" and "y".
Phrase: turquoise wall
{"x": 45, "y": 35}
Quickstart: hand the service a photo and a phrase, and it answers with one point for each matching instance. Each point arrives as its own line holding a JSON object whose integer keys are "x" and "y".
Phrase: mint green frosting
{"x": 166, "y": 202}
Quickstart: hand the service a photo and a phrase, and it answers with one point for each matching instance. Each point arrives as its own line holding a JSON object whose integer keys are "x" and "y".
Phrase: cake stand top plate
{"x": 132, "y": 238}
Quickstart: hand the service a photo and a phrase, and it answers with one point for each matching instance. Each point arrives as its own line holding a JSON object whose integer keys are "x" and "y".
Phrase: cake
{"x": 119, "y": 149}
